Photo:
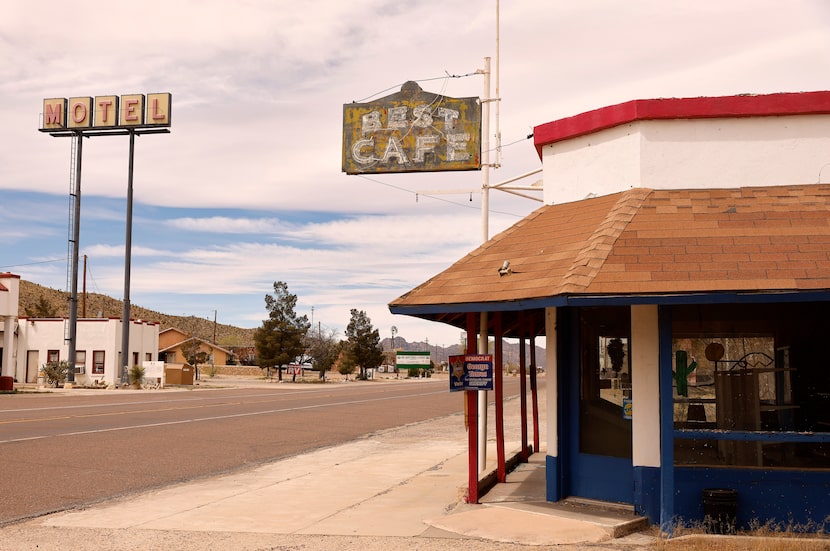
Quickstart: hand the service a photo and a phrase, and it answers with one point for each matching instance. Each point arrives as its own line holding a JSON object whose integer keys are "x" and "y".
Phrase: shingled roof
{"x": 645, "y": 242}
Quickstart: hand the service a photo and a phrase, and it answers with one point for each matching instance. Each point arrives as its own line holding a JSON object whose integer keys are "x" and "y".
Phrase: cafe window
{"x": 744, "y": 401}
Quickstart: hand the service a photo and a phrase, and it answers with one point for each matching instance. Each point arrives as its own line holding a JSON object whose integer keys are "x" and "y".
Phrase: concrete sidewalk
{"x": 395, "y": 484}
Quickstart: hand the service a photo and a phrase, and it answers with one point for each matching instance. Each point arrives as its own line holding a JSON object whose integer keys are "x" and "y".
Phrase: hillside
{"x": 39, "y": 301}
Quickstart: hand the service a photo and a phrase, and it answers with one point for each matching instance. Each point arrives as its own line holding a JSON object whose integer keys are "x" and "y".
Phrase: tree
{"x": 323, "y": 349}
{"x": 281, "y": 338}
{"x": 364, "y": 342}
{"x": 193, "y": 353}
{"x": 347, "y": 365}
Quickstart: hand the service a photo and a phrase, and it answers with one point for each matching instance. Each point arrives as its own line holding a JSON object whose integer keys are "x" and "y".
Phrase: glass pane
{"x": 605, "y": 383}
{"x": 768, "y": 454}
{"x": 734, "y": 383}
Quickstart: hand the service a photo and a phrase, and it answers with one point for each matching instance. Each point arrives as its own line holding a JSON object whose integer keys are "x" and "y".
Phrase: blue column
{"x": 666, "y": 421}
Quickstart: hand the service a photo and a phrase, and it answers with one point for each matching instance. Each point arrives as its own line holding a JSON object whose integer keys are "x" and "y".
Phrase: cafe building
{"x": 678, "y": 276}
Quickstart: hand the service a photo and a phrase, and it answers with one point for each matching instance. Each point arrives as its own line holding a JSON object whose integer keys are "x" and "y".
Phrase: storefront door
{"x": 600, "y": 442}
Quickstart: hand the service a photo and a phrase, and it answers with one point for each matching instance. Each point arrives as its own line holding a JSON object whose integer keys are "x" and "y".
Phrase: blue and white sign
{"x": 471, "y": 372}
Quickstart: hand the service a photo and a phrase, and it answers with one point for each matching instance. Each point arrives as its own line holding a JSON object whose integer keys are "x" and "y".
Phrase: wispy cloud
{"x": 226, "y": 224}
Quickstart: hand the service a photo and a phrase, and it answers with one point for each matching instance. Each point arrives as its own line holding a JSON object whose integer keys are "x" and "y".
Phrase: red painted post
{"x": 498, "y": 388}
{"x": 472, "y": 443}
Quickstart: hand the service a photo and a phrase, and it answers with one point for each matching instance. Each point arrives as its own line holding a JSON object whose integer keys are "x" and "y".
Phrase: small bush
{"x": 56, "y": 372}
{"x": 136, "y": 375}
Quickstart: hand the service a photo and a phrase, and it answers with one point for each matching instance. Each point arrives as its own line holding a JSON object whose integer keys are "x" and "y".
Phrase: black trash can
{"x": 720, "y": 510}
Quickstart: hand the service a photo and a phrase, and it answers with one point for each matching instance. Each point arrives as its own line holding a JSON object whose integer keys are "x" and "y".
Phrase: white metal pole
{"x": 485, "y": 235}
{"x": 497, "y": 134}
{"x": 482, "y": 398}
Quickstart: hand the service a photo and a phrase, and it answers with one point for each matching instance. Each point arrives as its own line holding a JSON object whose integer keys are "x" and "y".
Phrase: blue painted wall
{"x": 553, "y": 478}
{"x": 647, "y": 493}
{"x": 793, "y": 499}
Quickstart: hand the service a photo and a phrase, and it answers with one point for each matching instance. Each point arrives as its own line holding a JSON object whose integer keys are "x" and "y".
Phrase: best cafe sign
{"x": 412, "y": 131}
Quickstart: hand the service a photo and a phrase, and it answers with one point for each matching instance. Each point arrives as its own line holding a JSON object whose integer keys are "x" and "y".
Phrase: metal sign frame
{"x": 412, "y": 131}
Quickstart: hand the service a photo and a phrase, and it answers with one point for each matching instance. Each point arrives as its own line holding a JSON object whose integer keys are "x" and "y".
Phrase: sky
{"x": 247, "y": 188}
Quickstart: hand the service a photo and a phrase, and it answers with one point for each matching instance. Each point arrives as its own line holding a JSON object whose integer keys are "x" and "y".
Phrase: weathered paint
{"x": 412, "y": 131}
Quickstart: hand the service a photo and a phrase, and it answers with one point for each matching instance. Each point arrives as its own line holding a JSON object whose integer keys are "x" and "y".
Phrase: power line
{"x": 33, "y": 263}
{"x": 92, "y": 277}
{"x": 446, "y": 77}
{"x": 418, "y": 195}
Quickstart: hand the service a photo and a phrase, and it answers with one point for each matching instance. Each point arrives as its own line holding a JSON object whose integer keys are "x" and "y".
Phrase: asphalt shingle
{"x": 644, "y": 241}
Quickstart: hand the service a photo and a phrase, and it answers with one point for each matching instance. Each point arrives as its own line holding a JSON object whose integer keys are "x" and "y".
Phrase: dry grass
{"x": 770, "y": 537}
{"x": 741, "y": 543}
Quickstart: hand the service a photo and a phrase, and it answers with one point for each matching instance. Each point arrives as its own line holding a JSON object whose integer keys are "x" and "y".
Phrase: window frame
{"x": 98, "y": 367}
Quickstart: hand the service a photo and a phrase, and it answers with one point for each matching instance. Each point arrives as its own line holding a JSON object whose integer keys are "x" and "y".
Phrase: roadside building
{"x": 29, "y": 343}
{"x": 679, "y": 274}
{"x": 173, "y": 342}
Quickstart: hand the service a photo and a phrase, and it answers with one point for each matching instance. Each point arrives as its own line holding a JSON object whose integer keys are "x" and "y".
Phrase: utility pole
{"x": 83, "y": 304}
{"x": 128, "y": 247}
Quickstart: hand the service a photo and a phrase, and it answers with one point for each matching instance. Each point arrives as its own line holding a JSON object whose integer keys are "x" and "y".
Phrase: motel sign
{"x": 106, "y": 112}
{"x": 412, "y": 131}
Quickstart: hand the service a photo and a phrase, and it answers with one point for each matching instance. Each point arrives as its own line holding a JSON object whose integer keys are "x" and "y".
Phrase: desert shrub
{"x": 136, "y": 375}
{"x": 56, "y": 373}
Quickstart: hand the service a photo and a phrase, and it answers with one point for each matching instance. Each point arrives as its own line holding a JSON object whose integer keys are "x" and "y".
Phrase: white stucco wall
{"x": 42, "y": 335}
{"x": 645, "y": 386}
{"x": 596, "y": 164}
{"x": 9, "y": 298}
{"x": 551, "y": 377}
{"x": 689, "y": 153}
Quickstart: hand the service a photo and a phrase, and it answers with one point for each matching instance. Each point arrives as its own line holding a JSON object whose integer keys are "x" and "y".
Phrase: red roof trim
{"x": 799, "y": 103}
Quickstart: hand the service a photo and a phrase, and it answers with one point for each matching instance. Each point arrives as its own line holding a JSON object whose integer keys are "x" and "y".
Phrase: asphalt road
{"x": 64, "y": 450}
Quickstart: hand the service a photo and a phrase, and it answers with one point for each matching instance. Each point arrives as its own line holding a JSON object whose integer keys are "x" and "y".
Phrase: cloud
{"x": 226, "y": 224}
{"x": 110, "y": 251}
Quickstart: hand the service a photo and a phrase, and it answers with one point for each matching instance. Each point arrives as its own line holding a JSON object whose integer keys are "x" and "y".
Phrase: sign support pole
{"x": 485, "y": 235}
{"x": 125, "y": 319}
{"x": 471, "y": 406}
{"x": 76, "y": 235}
